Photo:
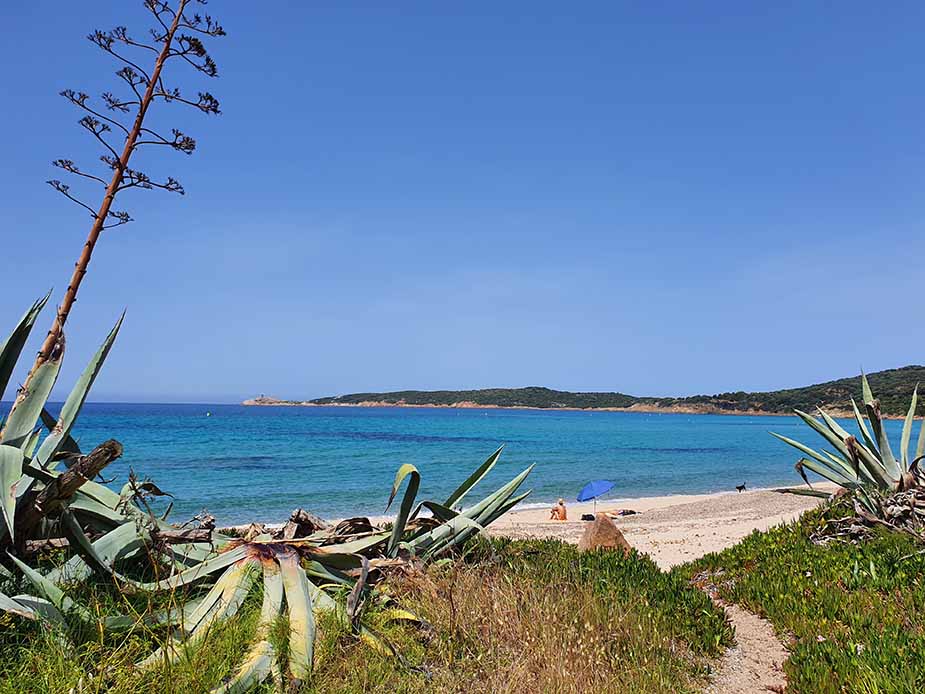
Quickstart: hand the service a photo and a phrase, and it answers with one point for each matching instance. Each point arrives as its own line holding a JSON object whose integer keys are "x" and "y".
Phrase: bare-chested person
{"x": 558, "y": 512}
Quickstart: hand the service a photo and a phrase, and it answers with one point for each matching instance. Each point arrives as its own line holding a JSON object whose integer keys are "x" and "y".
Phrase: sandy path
{"x": 676, "y": 529}
{"x": 755, "y": 663}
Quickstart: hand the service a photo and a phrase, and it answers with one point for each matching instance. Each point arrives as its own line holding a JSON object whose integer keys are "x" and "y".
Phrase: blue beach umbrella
{"x": 594, "y": 489}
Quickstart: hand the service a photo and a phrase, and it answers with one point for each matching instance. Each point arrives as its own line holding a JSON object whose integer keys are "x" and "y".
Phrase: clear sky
{"x": 657, "y": 198}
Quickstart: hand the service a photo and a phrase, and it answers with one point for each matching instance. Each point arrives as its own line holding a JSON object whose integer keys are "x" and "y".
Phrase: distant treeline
{"x": 893, "y": 387}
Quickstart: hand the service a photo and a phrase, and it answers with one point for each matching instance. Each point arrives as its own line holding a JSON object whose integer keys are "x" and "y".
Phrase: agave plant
{"x": 329, "y": 571}
{"x": 25, "y": 466}
{"x": 867, "y": 467}
{"x": 310, "y": 575}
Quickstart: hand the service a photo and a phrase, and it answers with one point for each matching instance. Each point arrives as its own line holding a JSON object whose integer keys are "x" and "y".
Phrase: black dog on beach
{"x": 740, "y": 488}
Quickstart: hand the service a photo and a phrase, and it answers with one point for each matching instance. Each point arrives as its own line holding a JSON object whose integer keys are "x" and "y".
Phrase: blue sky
{"x": 656, "y": 198}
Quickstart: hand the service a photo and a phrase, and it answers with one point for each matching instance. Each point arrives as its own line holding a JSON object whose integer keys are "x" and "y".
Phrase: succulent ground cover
{"x": 851, "y": 612}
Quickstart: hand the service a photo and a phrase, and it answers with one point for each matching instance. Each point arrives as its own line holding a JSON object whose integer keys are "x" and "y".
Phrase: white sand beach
{"x": 670, "y": 529}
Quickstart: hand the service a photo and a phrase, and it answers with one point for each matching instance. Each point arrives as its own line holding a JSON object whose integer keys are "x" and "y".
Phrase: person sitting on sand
{"x": 557, "y": 512}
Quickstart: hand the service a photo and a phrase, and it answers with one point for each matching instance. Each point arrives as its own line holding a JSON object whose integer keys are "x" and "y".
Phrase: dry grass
{"x": 532, "y": 617}
{"x": 514, "y": 617}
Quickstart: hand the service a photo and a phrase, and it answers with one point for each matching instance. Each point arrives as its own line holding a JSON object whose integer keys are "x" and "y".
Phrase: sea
{"x": 259, "y": 463}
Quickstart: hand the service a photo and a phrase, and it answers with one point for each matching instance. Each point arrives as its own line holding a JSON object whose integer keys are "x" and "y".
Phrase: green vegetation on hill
{"x": 852, "y": 613}
{"x": 893, "y": 386}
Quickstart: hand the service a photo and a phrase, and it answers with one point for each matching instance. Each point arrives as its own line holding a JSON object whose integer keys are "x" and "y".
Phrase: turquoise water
{"x": 247, "y": 463}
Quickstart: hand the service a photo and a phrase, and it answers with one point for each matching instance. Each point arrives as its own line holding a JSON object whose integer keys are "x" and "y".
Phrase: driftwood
{"x": 301, "y": 524}
{"x": 183, "y": 535}
{"x": 50, "y": 499}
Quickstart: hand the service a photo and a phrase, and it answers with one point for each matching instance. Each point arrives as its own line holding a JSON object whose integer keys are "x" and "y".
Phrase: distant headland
{"x": 893, "y": 386}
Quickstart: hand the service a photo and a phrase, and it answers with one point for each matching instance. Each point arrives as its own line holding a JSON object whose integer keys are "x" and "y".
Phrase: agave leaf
{"x": 505, "y": 507}
{"x": 28, "y": 407}
{"x": 127, "y": 536}
{"x": 195, "y": 573}
{"x": 301, "y": 616}
{"x": 335, "y": 560}
{"x": 883, "y": 445}
{"x": 13, "y": 345}
{"x": 473, "y": 479}
{"x": 486, "y": 518}
{"x": 439, "y": 511}
{"x": 11, "y": 461}
{"x": 328, "y": 575}
{"x": 68, "y": 444}
{"x": 866, "y": 393}
{"x": 803, "y": 491}
{"x": 257, "y": 666}
{"x": 441, "y": 536}
{"x": 504, "y": 493}
{"x": 114, "y": 545}
{"x": 13, "y": 606}
{"x": 828, "y": 473}
{"x": 411, "y": 491}
{"x": 920, "y": 446}
{"x": 28, "y": 447}
{"x": 907, "y": 429}
{"x": 360, "y": 545}
{"x": 862, "y": 425}
{"x": 261, "y": 660}
{"x": 42, "y": 609}
{"x": 842, "y": 467}
{"x": 222, "y": 602}
{"x": 833, "y": 426}
{"x": 52, "y": 592}
{"x": 88, "y": 509}
{"x": 862, "y": 474}
{"x": 825, "y": 432}
{"x": 211, "y": 602}
{"x": 75, "y": 400}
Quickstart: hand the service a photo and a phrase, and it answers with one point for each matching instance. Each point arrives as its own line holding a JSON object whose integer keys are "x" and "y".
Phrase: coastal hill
{"x": 893, "y": 387}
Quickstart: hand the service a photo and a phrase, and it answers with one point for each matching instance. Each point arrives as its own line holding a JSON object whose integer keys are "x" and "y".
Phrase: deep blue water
{"x": 247, "y": 463}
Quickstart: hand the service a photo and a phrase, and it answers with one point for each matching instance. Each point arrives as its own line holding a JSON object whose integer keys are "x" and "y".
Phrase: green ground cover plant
{"x": 850, "y": 612}
{"x": 512, "y": 616}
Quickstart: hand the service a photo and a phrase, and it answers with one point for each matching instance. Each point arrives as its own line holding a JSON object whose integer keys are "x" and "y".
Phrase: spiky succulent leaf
{"x": 830, "y": 436}
{"x": 907, "y": 430}
{"x": 862, "y": 426}
{"x": 13, "y": 345}
{"x": 866, "y": 393}
{"x": 920, "y": 446}
{"x": 52, "y": 592}
{"x": 473, "y": 479}
{"x": 407, "y": 502}
{"x": 68, "y": 444}
{"x": 257, "y": 666}
{"x": 222, "y": 602}
{"x": 883, "y": 445}
{"x": 75, "y": 400}
{"x": 828, "y": 472}
{"x": 301, "y": 616}
{"x": 11, "y": 462}
{"x": 111, "y": 547}
{"x": 28, "y": 406}
{"x": 197, "y": 572}
{"x": 8, "y": 604}
{"x": 840, "y": 467}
